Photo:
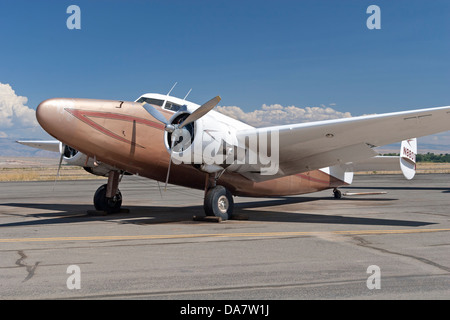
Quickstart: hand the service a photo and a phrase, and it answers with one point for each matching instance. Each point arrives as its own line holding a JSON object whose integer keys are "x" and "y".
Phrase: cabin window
{"x": 172, "y": 106}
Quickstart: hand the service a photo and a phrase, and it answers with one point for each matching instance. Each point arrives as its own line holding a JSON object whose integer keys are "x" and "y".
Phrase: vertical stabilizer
{"x": 408, "y": 151}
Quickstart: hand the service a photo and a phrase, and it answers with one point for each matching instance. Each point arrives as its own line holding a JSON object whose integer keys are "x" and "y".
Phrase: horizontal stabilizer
{"x": 378, "y": 163}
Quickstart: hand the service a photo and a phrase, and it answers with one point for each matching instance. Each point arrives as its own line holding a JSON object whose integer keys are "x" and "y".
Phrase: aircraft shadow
{"x": 146, "y": 215}
{"x": 444, "y": 190}
{"x": 283, "y": 216}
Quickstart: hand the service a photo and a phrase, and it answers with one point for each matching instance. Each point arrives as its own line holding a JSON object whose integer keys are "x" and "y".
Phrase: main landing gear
{"x": 337, "y": 193}
{"x": 218, "y": 200}
{"x": 108, "y": 198}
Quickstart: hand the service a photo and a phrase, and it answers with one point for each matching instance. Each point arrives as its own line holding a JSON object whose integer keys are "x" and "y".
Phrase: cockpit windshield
{"x": 156, "y": 102}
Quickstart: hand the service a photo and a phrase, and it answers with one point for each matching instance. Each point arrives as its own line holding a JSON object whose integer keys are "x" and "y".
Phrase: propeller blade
{"x": 200, "y": 112}
{"x": 170, "y": 161}
{"x": 62, "y": 146}
{"x": 168, "y": 171}
{"x": 155, "y": 113}
{"x": 59, "y": 166}
{"x": 159, "y": 188}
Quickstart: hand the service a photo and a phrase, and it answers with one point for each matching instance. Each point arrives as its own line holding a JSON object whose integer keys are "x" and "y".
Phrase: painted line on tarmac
{"x": 222, "y": 235}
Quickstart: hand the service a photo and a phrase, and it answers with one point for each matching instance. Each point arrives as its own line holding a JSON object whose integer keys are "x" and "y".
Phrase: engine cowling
{"x": 205, "y": 143}
{"x": 76, "y": 158}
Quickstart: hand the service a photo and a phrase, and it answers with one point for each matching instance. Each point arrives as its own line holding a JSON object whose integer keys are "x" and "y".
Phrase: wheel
{"x": 337, "y": 194}
{"x": 110, "y": 205}
{"x": 219, "y": 202}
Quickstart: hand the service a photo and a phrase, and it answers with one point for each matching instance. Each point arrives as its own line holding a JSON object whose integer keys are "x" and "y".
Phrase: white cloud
{"x": 13, "y": 110}
{"x": 3, "y": 135}
{"x": 276, "y": 114}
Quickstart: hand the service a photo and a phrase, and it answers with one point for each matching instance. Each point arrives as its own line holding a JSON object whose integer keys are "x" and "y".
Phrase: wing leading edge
{"x": 48, "y": 145}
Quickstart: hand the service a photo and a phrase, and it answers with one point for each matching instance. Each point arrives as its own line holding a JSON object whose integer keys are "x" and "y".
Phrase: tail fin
{"x": 408, "y": 151}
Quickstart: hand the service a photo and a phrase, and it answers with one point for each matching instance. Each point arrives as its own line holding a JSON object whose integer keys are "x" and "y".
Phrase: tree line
{"x": 427, "y": 157}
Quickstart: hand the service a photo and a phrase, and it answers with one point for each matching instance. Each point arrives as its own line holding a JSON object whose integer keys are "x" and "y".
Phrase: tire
{"x": 337, "y": 194}
{"x": 109, "y": 205}
{"x": 219, "y": 202}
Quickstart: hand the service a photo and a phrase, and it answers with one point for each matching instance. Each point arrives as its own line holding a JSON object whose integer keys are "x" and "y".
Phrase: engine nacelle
{"x": 76, "y": 158}
{"x": 205, "y": 143}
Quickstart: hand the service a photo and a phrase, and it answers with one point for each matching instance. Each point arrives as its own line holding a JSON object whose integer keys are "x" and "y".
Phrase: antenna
{"x": 187, "y": 94}
{"x": 172, "y": 88}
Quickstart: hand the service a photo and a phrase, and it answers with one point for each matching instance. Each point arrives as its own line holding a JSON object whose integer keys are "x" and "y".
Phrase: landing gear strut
{"x": 218, "y": 200}
{"x": 108, "y": 198}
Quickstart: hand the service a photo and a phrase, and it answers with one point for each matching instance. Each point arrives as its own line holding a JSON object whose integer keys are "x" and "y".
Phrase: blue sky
{"x": 302, "y": 53}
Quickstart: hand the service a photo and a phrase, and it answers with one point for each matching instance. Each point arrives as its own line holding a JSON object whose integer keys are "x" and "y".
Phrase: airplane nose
{"x": 45, "y": 114}
{"x": 43, "y": 110}
{"x": 50, "y": 115}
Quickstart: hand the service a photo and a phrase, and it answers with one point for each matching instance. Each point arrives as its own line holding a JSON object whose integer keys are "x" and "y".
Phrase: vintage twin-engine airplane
{"x": 221, "y": 155}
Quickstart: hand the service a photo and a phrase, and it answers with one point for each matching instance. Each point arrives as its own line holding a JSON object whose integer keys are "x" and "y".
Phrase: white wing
{"x": 309, "y": 146}
{"x": 49, "y": 145}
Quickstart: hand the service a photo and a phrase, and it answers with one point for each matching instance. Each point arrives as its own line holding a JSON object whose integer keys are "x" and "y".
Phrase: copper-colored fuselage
{"x": 124, "y": 135}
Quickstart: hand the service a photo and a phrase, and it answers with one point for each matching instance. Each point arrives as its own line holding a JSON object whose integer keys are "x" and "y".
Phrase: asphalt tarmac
{"x": 392, "y": 245}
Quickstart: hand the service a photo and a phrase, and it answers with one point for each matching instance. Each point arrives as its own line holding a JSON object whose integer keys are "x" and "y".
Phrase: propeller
{"x": 171, "y": 128}
{"x": 197, "y": 114}
{"x": 200, "y": 112}
{"x": 62, "y": 147}
{"x": 173, "y": 139}
{"x": 155, "y": 113}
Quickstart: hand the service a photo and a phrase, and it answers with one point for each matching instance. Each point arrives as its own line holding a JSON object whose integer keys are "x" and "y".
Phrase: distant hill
{"x": 10, "y": 148}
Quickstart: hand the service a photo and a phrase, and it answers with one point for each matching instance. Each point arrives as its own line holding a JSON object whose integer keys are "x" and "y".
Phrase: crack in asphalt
{"x": 30, "y": 269}
{"x": 366, "y": 244}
